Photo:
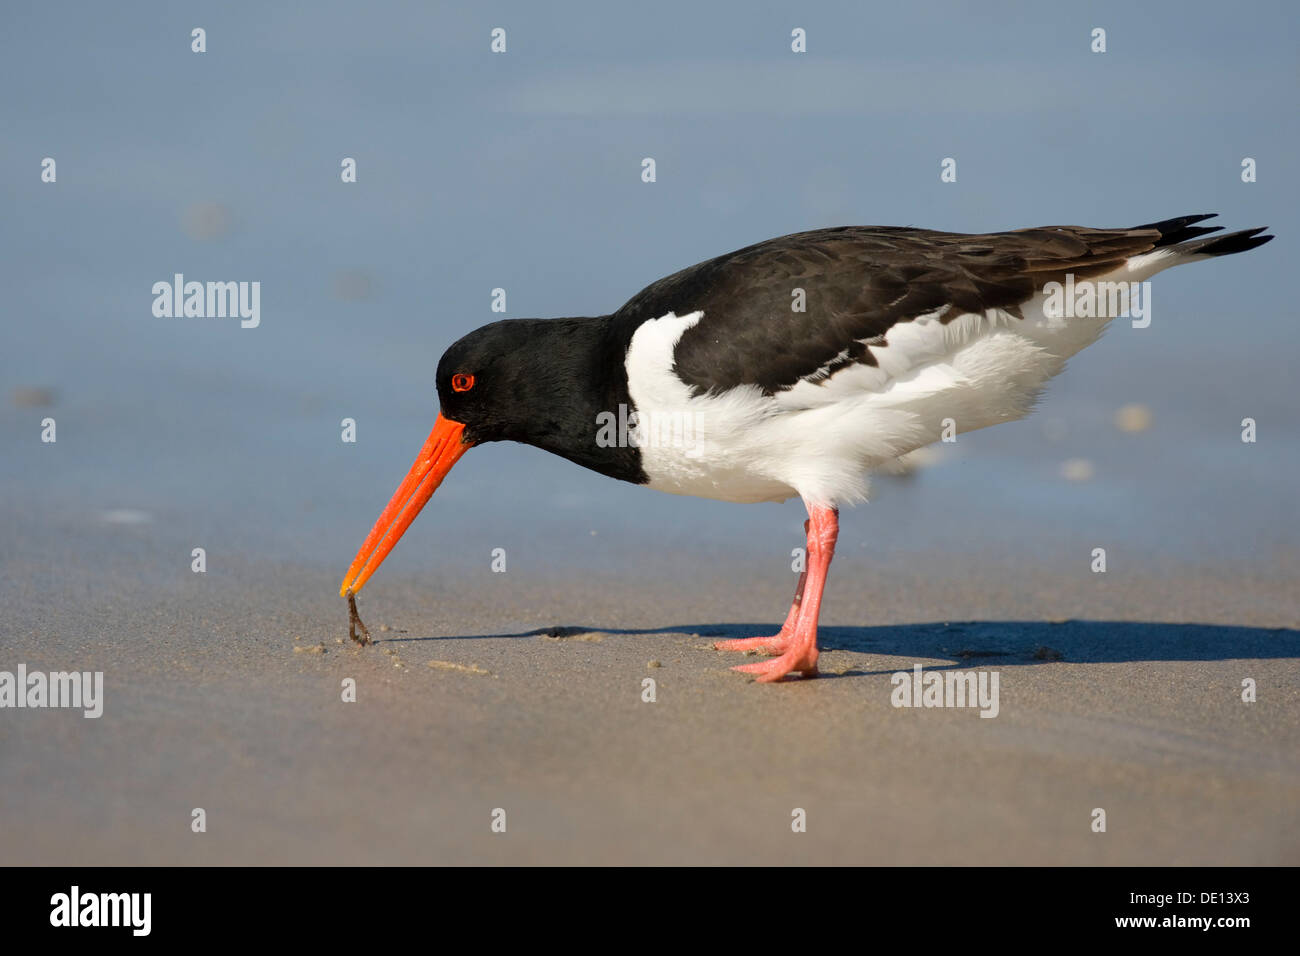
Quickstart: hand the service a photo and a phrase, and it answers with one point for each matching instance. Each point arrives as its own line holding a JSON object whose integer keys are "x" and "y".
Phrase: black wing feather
{"x": 858, "y": 283}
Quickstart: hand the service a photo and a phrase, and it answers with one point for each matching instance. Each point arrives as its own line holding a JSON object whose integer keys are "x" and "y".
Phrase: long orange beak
{"x": 443, "y": 449}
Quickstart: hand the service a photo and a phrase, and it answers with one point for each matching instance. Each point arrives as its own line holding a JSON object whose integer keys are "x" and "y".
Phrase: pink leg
{"x": 800, "y": 653}
{"x": 778, "y": 643}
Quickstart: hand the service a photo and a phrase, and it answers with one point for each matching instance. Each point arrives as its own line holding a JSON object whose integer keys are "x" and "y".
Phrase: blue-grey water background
{"x": 522, "y": 171}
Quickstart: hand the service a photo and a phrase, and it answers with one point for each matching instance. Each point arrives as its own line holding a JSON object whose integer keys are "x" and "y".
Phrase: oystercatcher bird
{"x": 793, "y": 367}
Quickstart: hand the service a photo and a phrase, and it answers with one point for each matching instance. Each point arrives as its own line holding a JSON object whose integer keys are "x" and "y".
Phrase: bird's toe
{"x": 800, "y": 659}
{"x": 774, "y": 644}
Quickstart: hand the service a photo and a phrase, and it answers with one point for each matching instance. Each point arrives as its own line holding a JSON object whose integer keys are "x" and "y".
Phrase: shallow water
{"x": 474, "y": 174}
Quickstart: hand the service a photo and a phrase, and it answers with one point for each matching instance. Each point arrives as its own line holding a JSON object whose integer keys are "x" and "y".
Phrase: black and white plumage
{"x": 903, "y": 329}
{"x": 793, "y": 367}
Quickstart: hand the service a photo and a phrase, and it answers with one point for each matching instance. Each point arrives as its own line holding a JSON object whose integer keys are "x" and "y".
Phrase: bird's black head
{"x": 499, "y": 381}
{"x": 544, "y": 382}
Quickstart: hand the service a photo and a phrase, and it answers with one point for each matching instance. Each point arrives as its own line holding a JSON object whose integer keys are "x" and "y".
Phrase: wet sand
{"x": 523, "y": 692}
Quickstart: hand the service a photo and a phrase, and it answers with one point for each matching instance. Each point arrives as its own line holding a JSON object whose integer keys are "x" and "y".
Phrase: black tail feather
{"x": 1227, "y": 244}
{"x": 1178, "y": 232}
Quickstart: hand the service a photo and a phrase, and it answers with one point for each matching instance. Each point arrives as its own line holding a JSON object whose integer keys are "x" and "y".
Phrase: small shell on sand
{"x": 462, "y": 668}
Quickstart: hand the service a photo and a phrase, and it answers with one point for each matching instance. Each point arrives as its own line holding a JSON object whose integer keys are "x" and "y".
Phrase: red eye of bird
{"x": 460, "y": 382}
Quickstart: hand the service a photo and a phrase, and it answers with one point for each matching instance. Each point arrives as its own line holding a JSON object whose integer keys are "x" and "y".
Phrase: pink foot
{"x": 776, "y": 644}
{"x": 801, "y": 657}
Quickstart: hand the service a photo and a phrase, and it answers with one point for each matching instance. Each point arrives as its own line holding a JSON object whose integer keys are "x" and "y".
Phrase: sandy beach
{"x": 224, "y": 693}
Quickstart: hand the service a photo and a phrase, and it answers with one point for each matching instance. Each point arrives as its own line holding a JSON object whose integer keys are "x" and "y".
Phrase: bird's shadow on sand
{"x": 1004, "y": 643}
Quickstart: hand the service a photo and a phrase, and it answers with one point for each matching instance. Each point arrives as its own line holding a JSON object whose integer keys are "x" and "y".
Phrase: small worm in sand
{"x": 354, "y": 621}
